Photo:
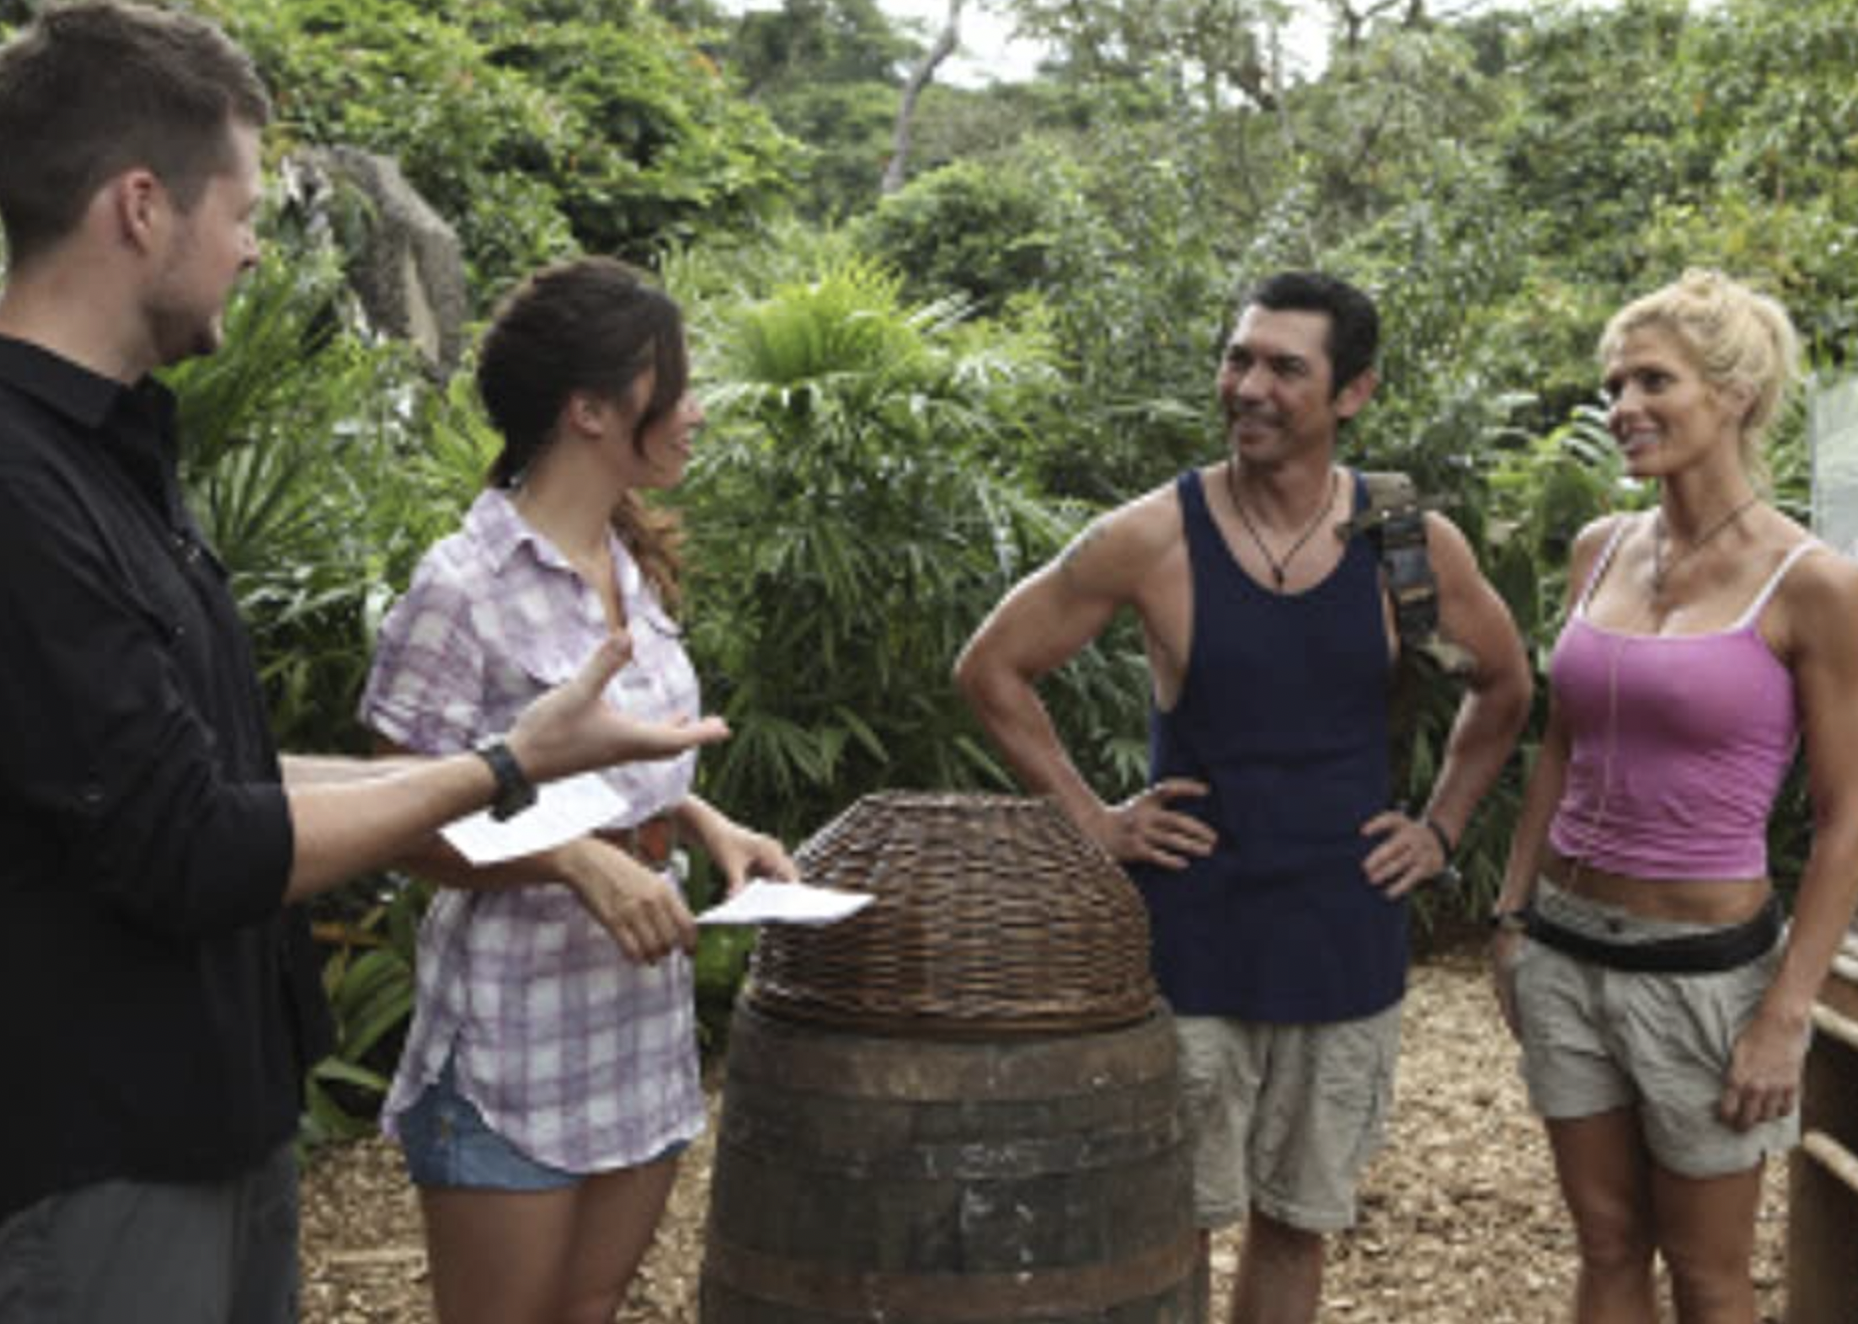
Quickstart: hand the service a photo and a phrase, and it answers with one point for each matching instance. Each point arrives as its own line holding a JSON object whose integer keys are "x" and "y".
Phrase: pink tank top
{"x": 1678, "y": 743}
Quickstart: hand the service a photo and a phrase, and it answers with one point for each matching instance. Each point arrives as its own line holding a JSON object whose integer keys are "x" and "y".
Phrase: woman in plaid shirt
{"x": 550, "y": 1078}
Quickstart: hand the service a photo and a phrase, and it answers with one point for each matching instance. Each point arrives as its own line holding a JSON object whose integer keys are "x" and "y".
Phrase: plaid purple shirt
{"x": 581, "y": 1058}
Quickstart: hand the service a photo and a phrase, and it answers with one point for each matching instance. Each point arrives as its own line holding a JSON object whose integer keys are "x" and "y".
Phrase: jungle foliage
{"x": 537, "y": 127}
{"x": 915, "y": 400}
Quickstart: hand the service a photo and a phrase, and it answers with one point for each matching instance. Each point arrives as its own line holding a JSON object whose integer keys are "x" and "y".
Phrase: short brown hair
{"x": 91, "y": 89}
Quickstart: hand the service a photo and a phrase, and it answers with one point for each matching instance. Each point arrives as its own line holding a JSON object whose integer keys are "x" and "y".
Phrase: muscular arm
{"x": 1489, "y": 718}
{"x": 1044, "y": 622}
{"x": 1496, "y": 701}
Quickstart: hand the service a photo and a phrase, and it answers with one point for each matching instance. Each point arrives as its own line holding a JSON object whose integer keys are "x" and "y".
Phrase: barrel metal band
{"x": 927, "y": 1071}
{"x": 952, "y": 1298}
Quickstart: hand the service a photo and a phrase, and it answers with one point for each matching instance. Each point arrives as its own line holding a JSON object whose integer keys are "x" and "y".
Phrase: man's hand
{"x": 571, "y": 729}
{"x": 644, "y": 913}
{"x": 1143, "y": 829}
{"x": 1409, "y": 853}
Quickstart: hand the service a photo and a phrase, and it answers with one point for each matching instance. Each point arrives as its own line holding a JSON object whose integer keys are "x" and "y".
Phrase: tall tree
{"x": 828, "y": 72}
{"x": 919, "y": 79}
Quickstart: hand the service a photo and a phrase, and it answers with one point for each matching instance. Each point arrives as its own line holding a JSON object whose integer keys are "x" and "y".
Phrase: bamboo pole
{"x": 1837, "y": 1160}
{"x": 1834, "y": 1026}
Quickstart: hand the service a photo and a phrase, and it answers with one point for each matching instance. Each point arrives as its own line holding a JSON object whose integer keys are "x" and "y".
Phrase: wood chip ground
{"x": 1460, "y": 1222}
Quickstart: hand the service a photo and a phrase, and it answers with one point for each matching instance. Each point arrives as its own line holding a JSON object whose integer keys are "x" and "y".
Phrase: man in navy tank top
{"x": 1266, "y": 847}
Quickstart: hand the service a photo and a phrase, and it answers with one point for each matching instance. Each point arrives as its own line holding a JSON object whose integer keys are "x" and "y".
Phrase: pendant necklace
{"x": 1277, "y": 563}
{"x": 1661, "y": 569}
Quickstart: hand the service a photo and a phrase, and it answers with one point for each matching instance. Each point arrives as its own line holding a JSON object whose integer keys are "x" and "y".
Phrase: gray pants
{"x": 124, "y": 1252}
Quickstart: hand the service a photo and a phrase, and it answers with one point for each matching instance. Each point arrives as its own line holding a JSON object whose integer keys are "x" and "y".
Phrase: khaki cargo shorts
{"x": 1595, "y": 1039}
{"x": 1283, "y": 1118}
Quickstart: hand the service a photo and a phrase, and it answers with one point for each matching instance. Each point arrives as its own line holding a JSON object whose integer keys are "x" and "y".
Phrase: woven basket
{"x": 993, "y": 915}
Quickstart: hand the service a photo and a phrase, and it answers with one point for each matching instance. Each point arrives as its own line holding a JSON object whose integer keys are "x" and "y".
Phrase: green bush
{"x": 853, "y": 516}
{"x": 1112, "y": 256}
{"x": 368, "y": 978}
{"x": 974, "y": 230}
{"x": 536, "y": 129}
{"x": 292, "y": 439}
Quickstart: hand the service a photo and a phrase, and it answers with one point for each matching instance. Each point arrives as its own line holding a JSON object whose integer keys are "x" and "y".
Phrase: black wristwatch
{"x": 515, "y": 792}
{"x": 1446, "y": 847}
{"x": 1448, "y": 872}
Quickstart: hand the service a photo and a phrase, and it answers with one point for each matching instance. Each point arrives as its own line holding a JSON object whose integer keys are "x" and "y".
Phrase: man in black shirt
{"x": 160, "y": 1004}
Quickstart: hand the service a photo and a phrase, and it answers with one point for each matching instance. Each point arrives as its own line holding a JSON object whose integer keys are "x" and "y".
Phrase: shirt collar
{"x": 499, "y": 530}
{"x": 136, "y": 423}
{"x": 73, "y": 390}
{"x": 494, "y": 522}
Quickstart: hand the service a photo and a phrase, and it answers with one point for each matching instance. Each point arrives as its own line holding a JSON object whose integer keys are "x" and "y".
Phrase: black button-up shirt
{"x": 158, "y": 1004}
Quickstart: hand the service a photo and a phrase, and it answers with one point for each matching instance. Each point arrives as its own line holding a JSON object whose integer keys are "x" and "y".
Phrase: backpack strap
{"x": 1394, "y": 521}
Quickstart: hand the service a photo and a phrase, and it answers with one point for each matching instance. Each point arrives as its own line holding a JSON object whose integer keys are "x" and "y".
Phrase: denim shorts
{"x": 448, "y": 1143}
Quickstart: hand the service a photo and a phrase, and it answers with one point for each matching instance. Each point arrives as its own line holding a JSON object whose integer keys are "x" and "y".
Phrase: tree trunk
{"x": 920, "y": 78}
{"x": 1354, "y": 22}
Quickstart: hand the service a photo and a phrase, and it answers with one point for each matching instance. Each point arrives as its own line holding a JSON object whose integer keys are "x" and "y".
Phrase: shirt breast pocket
{"x": 542, "y": 658}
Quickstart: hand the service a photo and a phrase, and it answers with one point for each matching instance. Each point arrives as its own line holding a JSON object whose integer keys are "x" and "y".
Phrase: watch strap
{"x": 515, "y": 792}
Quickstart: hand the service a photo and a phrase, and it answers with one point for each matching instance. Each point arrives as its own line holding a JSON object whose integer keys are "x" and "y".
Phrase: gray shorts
{"x": 157, "y": 1253}
{"x": 1283, "y": 1118}
{"x": 1595, "y": 1040}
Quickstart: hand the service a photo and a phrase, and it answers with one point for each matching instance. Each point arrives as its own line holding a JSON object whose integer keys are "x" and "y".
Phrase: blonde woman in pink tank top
{"x": 1640, "y": 956}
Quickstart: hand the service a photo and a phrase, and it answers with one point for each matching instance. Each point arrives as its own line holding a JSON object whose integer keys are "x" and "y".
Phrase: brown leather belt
{"x": 650, "y": 842}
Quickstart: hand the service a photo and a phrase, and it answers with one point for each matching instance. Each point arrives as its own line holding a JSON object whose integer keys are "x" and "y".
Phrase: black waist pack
{"x": 1691, "y": 954}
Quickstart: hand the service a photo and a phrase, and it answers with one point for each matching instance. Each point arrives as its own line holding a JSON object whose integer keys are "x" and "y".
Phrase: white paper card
{"x": 767, "y": 902}
{"x": 563, "y": 810}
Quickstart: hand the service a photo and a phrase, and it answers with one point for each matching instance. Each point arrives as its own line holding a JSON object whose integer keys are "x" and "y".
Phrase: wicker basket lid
{"x": 993, "y": 915}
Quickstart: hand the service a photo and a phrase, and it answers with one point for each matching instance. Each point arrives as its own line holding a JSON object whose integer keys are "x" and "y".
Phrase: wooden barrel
{"x": 959, "y": 1106}
{"x": 910, "y": 1181}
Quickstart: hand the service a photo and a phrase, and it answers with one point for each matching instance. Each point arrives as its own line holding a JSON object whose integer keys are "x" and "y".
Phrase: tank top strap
{"x": 1203, "y": 538}
{"x": 1766, "y": 591}
{"x": 1600, "y": 565}
{"x": 1191, "y": 495}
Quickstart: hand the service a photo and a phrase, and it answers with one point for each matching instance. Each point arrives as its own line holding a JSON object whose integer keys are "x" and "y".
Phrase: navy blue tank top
{"x": 1284, "y": 713}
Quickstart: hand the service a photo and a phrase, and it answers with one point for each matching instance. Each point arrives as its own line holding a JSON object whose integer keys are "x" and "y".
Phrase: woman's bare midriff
{"x": 1717, "y": 901}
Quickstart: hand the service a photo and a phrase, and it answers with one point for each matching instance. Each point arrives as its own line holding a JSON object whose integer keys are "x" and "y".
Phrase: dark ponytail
{"x": 594, "y": 325}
